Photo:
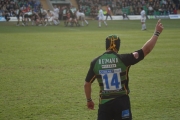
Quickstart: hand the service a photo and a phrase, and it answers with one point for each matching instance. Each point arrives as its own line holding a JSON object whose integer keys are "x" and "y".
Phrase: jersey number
{"x": 111, "y": 81}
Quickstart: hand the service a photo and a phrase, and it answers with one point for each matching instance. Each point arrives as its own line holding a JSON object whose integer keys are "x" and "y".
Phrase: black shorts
{"x": 107, "y": 14}
{"x": 64, "y": 17}
{"x": 116, "y": 109}
{"x": 73, "y": 16}
{"x": 26, "y": 16}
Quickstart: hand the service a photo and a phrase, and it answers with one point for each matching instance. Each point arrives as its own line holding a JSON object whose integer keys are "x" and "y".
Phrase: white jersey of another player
{"x": 51, "y": 13}
{"x": 101, "y": 17}
{"x": 143, "y": 16}
{"x": 82, "y": 15}
{"x": 101, "y": 14}
{"x": 45, "y": 14}
{"x": 54, "y": 17}
{"x": 56, "y": 11}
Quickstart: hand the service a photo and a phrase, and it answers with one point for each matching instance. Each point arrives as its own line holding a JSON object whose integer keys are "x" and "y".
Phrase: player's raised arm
{"x": 149, "y": 45}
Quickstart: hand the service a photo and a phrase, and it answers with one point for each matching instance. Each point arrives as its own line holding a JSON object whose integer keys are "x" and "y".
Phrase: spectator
{"x": 6, "y": 16}
{"x": 136, "y": 11}
{"x": 165, "y": 9}
{"x": 150, "y": 10}
{"x": 164, "y": 2}
{"x": 1, "y": 12}
{"x": 94, "y": 12}
{"x": 156, "y": 8}
{"x": 131, "y": 10}
{"x": 113, "y": 6}
{"x": 171, "y": 11}
{"x": 4, "y": 7}
{"x": 119, "y": 12}
{"x": 174, "y": 10}
{"x": 161, "y": 10}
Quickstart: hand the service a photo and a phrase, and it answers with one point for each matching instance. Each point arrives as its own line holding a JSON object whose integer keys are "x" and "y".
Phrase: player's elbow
{"x": 146, "y": 51}
{"x": 87, "y": 84}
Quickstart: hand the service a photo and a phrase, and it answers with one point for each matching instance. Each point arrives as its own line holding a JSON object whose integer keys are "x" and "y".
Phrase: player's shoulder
{"x": 126, "y": 58}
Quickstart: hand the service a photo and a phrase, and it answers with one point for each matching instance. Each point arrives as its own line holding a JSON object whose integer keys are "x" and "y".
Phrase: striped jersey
{"x": 111, "y": 71}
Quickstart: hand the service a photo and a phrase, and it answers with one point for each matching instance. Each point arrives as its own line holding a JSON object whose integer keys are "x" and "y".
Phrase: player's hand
{"x": 90, "y": 105}
{"x": 159, "y": 26}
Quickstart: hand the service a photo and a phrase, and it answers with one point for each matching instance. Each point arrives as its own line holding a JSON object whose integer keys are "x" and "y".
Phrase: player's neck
{"x": 111, "y": 51}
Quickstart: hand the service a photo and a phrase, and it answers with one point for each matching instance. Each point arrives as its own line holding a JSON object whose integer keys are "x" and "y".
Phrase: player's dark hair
{"x": 113, "y": 43}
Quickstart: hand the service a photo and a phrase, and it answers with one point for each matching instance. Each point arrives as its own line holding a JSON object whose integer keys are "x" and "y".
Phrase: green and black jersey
{"x": 111, "y": 71}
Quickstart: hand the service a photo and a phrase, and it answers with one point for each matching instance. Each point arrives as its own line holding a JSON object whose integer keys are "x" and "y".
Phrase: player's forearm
{"x": 87, "y": 90}
{"x": 149, "y": 45}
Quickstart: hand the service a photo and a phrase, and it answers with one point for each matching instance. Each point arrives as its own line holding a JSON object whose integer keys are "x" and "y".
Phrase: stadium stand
{"x": 132, "y": 7}
{"x": 44, "y": 4}
{"x": 9, "y": 6}
{"x": 74, "y": 3}
{"x": 90, "y": 7}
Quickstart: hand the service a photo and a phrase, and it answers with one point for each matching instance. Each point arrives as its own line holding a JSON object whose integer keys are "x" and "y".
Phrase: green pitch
{"x": 42, "y": 70}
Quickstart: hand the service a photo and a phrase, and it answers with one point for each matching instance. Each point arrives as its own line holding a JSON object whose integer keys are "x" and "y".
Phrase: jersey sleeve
{"x": 90, "y": 77}
{"x": 129, "y": 59}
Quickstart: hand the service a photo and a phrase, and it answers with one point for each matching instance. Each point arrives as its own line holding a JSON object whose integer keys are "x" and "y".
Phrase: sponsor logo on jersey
{"x": 108, "y": 61}
{"x": 109, "y": 66}
{"x": 125, "y": 114}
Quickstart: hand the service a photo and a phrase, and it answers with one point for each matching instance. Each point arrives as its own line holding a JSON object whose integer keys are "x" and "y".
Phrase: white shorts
{"x": 55, "y": 17}
{"x": 143, "y": 19}
{"x": 101, "y": 18}
{"x": 82, "y": 16}
{"x": 50, "y": 18}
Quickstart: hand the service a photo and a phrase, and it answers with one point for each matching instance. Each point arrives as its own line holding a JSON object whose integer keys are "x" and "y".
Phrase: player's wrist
{"x": 157, "y": 33}
{"x": 89, "y": 100}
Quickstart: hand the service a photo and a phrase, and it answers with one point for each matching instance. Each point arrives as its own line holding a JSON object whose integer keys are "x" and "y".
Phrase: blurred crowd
{"x": 131, "y": 7}
{"x": 90, "y": 7}
{"x": 9, "y": 6}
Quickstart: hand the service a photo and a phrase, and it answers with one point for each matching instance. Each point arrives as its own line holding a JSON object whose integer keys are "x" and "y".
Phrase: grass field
{"x": 42, "y": 70}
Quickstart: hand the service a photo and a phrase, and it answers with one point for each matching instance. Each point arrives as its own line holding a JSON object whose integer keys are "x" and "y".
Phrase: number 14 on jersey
{"x": 111, "y": 79}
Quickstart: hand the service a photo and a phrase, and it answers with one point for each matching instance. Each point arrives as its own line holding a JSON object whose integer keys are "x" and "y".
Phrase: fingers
{"x": 159, "y": 26}
{"x": 159, "y": 20}
{"x": 90, "y": 105}
{"x": 159, "y": 23}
